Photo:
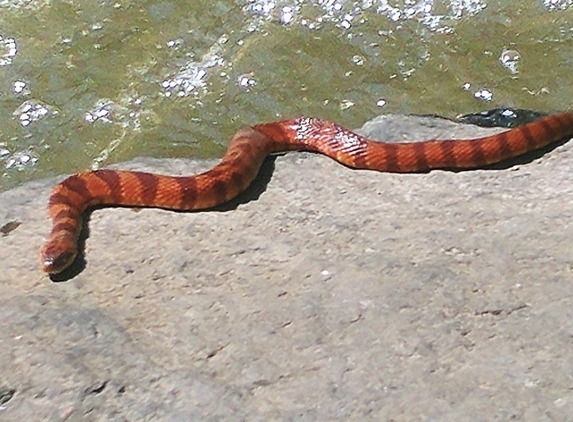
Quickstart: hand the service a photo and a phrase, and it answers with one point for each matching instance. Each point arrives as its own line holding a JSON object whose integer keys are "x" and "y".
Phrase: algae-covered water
{"x": 87, "y": 83}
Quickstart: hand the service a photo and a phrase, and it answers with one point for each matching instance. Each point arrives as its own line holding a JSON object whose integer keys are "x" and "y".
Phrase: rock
{"x": 326, "y": 294}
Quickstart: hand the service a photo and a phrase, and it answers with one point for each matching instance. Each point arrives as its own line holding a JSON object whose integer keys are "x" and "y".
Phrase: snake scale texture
{"x": 245, "y": 155}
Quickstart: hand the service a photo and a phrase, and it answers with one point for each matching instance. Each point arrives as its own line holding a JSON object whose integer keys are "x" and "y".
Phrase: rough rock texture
{"x": 328, "y": 294}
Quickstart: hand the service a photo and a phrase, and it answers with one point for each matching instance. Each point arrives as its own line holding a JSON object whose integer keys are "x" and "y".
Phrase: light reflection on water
{"x": 84, "y": 84}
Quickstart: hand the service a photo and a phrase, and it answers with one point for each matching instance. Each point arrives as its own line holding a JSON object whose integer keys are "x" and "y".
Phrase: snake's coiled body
{"x": 245, "y": 155}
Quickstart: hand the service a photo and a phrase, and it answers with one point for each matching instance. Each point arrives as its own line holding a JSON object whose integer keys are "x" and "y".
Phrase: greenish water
{"x": 87, "y": 83}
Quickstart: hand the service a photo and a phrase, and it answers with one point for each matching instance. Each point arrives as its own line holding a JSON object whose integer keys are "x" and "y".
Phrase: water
{"x": 86, "y": 83}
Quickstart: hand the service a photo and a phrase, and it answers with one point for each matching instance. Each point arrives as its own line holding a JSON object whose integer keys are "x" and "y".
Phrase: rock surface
{"x": 326, "y": 294}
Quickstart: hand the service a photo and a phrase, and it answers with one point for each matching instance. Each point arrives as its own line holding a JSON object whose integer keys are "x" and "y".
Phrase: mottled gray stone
{"x": 331, "y": 295}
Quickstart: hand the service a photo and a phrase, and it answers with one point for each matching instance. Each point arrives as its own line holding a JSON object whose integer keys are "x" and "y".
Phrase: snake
{"x": 245, "y": 155}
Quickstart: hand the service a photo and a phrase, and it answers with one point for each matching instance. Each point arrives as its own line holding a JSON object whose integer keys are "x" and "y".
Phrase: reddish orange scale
{"x": 245, "y": 155}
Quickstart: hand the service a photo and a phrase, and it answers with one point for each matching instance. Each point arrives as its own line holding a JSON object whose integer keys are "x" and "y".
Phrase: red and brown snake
{"x": 245, "y": 155}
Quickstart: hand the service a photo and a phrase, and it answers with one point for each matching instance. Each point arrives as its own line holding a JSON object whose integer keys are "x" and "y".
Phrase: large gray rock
{"x": 331, "y": 294}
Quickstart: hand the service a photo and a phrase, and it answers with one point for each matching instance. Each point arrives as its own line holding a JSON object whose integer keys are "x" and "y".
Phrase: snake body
{"x": 245, "y": 155}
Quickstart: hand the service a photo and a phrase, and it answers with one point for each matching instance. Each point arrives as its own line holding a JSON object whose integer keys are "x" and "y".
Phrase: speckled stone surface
{"x": 324, "y": 294}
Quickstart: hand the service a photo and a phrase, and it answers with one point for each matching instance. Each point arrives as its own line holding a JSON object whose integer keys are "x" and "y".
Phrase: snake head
{"x": 57, "y": 255}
